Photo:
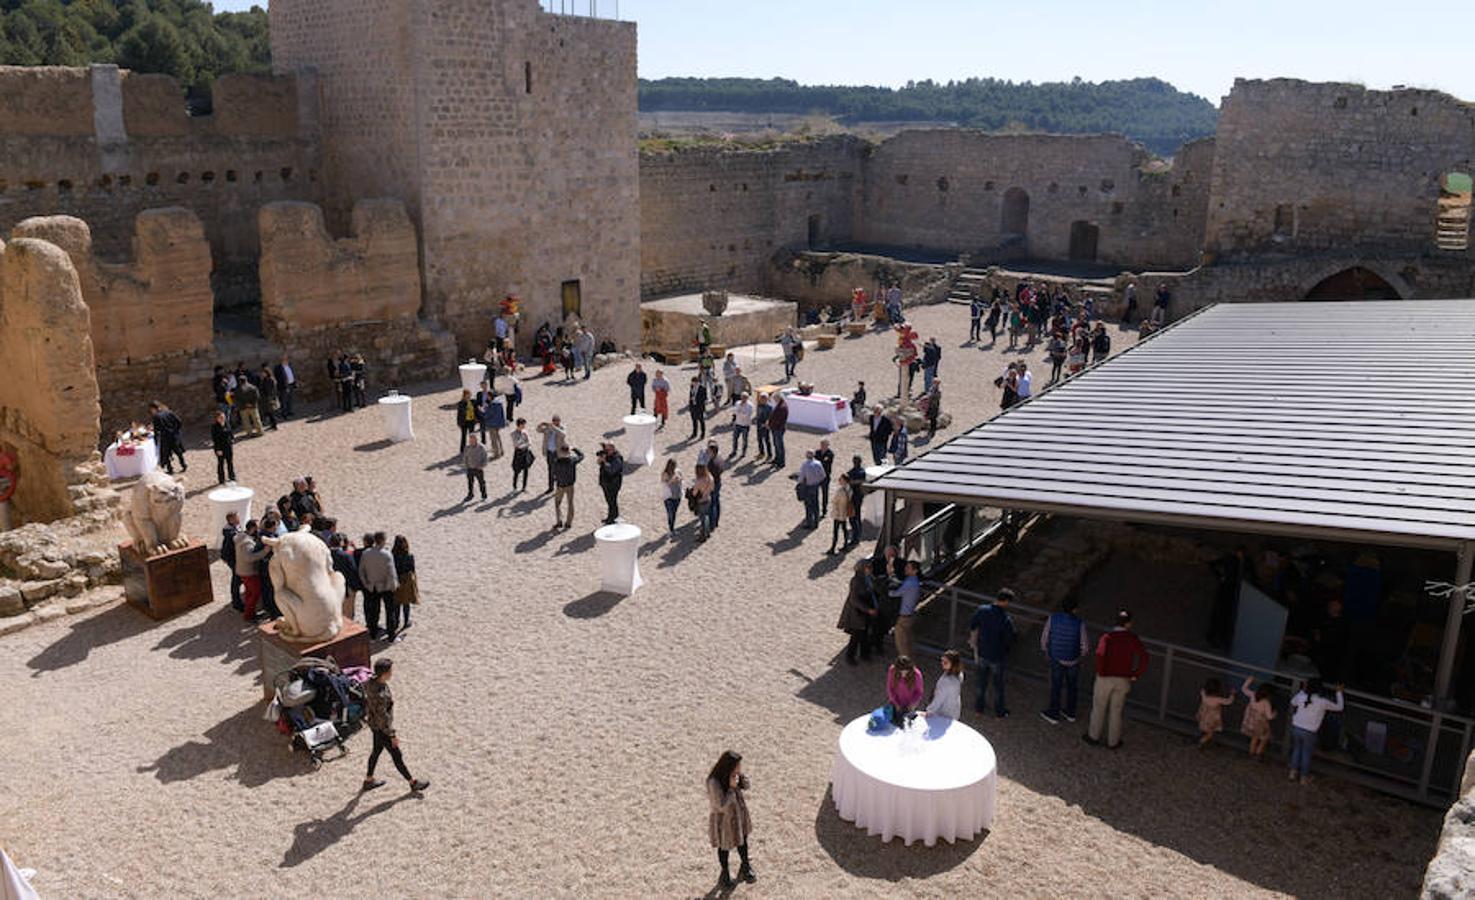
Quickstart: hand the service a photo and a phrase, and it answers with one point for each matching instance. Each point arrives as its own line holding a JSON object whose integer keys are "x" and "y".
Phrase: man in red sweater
{"x": 1120, "y": 660}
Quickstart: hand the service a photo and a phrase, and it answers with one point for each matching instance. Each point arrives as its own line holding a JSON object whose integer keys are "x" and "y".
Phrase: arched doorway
{"x": 1015, "y": 219}
{"x": 1355, "y": 283}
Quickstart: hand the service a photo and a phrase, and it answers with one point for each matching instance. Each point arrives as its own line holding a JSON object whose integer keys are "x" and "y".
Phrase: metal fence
{"x": 1392, "y": 746}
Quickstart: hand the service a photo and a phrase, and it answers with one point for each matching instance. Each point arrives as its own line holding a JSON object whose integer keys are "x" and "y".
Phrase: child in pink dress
{"x": 1256, "y": 725}
{"x": 1211, "y": 703}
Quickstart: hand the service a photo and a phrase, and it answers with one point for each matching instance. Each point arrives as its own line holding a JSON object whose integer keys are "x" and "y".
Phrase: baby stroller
{"x": 317, "y": 706}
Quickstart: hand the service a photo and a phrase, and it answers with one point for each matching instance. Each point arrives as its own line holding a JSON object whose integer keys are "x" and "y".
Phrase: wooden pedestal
{"x": 167, "y": 584}
{"x": 277, "y": 654}
{"x": 858, "y": 329}
{"x": 826, "y": 341}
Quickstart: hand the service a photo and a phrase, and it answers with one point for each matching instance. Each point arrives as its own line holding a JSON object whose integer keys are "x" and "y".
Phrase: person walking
{"x": 975, "y": 319}
{"x": 474, "y": 458}
{"x": 880, "y": 434}
{"x": 636, "y": 381}
{"x": 554, "y": 438}
{"x": 761, "y": 415}
{"x": 167, "y": 428}
{"x": 728, "y": 822}
{"x": 565, "y": 473}
{"x": 778, "y": 423}
{"x": 909, "y": 593}
{"x": 660, "y": 390}
{"x": 228, "y": 556}
{"x": 858, "y": 615}
{"x": 1063, "y": 641}
{"x": 696, "y": 407}
{"x": 379, "y": 716}
{"x": 811, "y": 474}
{"x": 742, "y": 423}
{"x": 995, "y": 311}
{"x": 611, "y": 478}
{"x": 466, "y": 417}
{"x": 702, "y": 486}
{"x": 223, "y": 441}
{"x": 407, "y": 593}
{"x": 991, "y": 633}
{"x": 1120, "y": 660}
{"x": 376, "y": 573}
{"x": 1308, "y": 709}
{"x": 248, "y": 553}
{"x": 840, "y": 516}
{"x": 286, "y": 385}
{"x": 671, "y": 493}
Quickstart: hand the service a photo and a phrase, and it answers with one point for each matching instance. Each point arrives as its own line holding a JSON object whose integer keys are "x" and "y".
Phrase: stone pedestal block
{"x": 277, "y": 654}
{"x": 167, "y": 584}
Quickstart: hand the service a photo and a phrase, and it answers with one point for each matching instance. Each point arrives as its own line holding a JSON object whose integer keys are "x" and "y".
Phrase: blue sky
{"x": 1198, "y": 46}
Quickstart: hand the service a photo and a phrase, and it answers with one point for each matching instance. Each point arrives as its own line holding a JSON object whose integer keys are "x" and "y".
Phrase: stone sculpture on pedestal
{"x": 308, "y": 592}
{"x": 155, "y": 509}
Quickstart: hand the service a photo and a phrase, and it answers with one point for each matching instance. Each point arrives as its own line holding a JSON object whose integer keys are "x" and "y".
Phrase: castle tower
{"x": 509, "y": 132}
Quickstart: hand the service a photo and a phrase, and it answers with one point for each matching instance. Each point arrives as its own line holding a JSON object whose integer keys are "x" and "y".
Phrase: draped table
{"x": 873, "y": 507}
{"x": 936, "y": 780}
{"x": 825, "y": 412}
{"x": 642, "y": 431}
{"x": 619, "y": 558}
{"x": 473, "y": 374}
{"x": 233, "y": 498}
{"x": 395, "y": 407}
{"x": 130, "y": 460}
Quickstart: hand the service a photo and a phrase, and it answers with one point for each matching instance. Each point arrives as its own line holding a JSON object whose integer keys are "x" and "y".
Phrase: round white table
{"x": 935, "y": 780}
{"x": 396, "y": 411}
{"x": 131, "y": 460}
{"x": 873, "y": 507}
{"x": 642, "y": 431}
{"x": 232, "y": 498}
{"x": 619, "y": 558}
{"x": 472, "y": 375}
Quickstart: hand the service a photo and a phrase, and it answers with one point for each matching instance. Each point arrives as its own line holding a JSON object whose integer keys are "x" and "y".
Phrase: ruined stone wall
{"x": 512, "y": 140}
{"x": 712, "y": 218}
{"x": 48, "y": 394}
{"x": 948, "y": 190}
{"x": 816, "y": 280}
{"x": 1305, "y": 168}
{"x": 103, "y": 145}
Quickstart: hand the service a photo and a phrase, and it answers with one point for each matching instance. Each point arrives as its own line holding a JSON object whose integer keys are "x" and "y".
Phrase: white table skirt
{"x": 641, "y": 429}
{"x": 397, "y": 423}
{"x": 873, "y": 507}
{"x": 472, "y": 375}
{"x": 145, "y": 458}
{"x": 818, "y": 411}
{"x": 232, "y": 498}
{"x": 940, "y": 783}
{"x": 619, "y": 558}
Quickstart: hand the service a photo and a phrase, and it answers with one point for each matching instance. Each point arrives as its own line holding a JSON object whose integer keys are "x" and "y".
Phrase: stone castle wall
{"x": 103, "y": 144}
{"x": 509, "y": 132}
{"x": 1307, "y": 169}
{"x": 712, "y": 218}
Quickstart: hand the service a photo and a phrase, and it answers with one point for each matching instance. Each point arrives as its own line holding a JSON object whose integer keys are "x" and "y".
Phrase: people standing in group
{"x": 1308, "y": 709}
{"x": 376, "y": 573}
{"x": 947, "y": 692}
{"x": 778, "y": 423}
{"x": 826, "y": 458}
{"x": 811, "y": 474}
{"x": 359, "y": 374}
{"x": 660, "y": 390}
{"x": 728, "y": 822}
{"x": 1258, "y": 714}
{"x": 702, "y": 486}
{"x": 228, "y": 556}
{"x": 909, "y": 593}
{"x": 167, "y": 428}
{"x": 223, "y": 441}
{"x": 696, "y": 407}
{"x": 858, "y": 615}
{"x": 1064, "y": 643}
{"x": 636, "y": 382}
{"x": 1121, "y": 659}
{"x": 905, "y": 687}
{"x": 466, "y": 418}
{"x": 1211, "y": 703}
{"x": 493, "y": 420}
{"x": 407, "y": 592}
{"x": 671, "y": 493}
{"x": 742, "y": 423}
{"x": 1100, "y": 343}
{"x": 855, "y": 478}
{"x": 715, "y": 467}
{"x": 611, "y": 478}
{"x": 991, "y": 633}
{"x": 554, "y": 438}
{"x": 344, "y": 564}
{"x": 286, "y": 385}
{"x": 761, "y": 415}
{"x": 791, "y": 345}
{"x": 249, "y": 552}
{"x": 379, "y": 716}
{"x": 474, "y": 458}
{"x": 565, "y": 474}
{"x": 247, "y": 399}
{"x": 880, "y": 434}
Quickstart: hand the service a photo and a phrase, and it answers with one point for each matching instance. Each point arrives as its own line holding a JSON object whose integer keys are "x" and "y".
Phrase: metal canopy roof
{"x": 1342, "y": 420}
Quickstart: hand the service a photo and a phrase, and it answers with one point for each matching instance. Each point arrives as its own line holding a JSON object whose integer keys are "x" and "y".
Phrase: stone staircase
{"x": 1452, "y": 225}
{"x": 972, "y": 279}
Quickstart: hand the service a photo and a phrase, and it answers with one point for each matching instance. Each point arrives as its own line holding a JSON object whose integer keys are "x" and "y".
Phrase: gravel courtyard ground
{"x": 568, "y": 732}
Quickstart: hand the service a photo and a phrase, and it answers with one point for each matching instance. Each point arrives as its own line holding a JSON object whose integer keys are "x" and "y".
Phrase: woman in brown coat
{"x": 859, "y": 612}
{"x": 728, "y": 824}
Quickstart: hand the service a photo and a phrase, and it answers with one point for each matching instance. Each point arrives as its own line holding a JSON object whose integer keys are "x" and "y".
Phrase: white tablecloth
{"x": 232, "y": 498}
{"x": 145, "y": 458}
{"x": 818, "y": 411}
{"x": 873, "y": 507}
{"x": 641, "y": 429}
{"x": 619, "y": 558}
{"x": 937, "y": 783}
{"x": 396, "y": 411}
{"x": 13, "y": 884}
{"x": 472, "y": 375}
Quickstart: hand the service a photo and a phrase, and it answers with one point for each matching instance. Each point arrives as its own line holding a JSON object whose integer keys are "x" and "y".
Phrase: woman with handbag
{"x": 407, "y": 594}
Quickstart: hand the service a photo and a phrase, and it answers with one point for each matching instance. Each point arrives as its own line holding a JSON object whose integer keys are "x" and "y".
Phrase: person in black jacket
{"x": 636, "y": 381}
{"x": 611, "y": 477}
{"x": 857, "y": 477}
{"x": 166, "y": 435}
{"x": 467, "y": 417}
{"x": 228, "y": 555}
{"x": 880, "y": 434}
{"x": 286, "y": 385}
{"x": 565, "y": 472}
{"x": 344, "y": 564}
{"x": 696, "y": 404}
{"x": 225, "y": 451}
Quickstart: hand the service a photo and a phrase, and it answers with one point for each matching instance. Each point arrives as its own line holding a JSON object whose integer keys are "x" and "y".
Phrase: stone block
{"x": 15, "y": 623}
{"x": 11, "y": 602}
{"x": 36, "y": 591}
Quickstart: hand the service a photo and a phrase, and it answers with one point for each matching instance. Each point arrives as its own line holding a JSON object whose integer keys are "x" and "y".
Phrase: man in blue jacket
{"x": 1064, "y": 641}
{"x": 991, "y": 633}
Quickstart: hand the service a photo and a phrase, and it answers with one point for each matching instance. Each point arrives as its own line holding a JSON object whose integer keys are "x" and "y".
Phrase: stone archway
{"x": 1353, "y": 283}
{"x": 1015, "y": 218}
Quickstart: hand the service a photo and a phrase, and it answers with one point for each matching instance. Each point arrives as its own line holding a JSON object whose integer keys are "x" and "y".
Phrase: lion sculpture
{"x": 155, "y": 509}
{"x": 308, "y": 592}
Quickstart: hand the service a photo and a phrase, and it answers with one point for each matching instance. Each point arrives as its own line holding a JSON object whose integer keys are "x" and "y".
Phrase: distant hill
{"x": 1148, "y": 110}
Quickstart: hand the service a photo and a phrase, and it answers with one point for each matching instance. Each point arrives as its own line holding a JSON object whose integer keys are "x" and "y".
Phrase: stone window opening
{"x": 105, "y": 182}
{"x": 208, "y": 177}
{"x": 151, "y": 179}
{"x": 1285, "y": 222}
{"x": 1107, "y": 185}
{"x": 64, "y": 186}
{"x": 260, "y": 176}
{"x": 1177, "y": 190}
{"x": 902, "y": 180}
{"x": 527, "y": 78}
{"x": 182, "y": 178}
{"x": 35, "y": 185}
{"x": 1452, "y": 212}
{"x": 1117, "y": 207}
{"x": 230, "y": 176}
{"x": 1054, "y": 187}
{"x": 942, "y": 184}
{"x": 988, "y": 185}
{"x": 286, "y": 173}
{"x": 125, "y": 181}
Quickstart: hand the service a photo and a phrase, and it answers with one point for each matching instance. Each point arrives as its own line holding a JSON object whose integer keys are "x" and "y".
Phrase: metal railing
{"x": 1389, "y": 745}
{"x": 950, "y": 534}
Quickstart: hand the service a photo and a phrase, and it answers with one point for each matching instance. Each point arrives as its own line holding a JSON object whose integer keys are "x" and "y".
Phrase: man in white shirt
{"x": 811, "y": 474}
{"x": 742, "y": 421}
{"x": 1026, "y": 381}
